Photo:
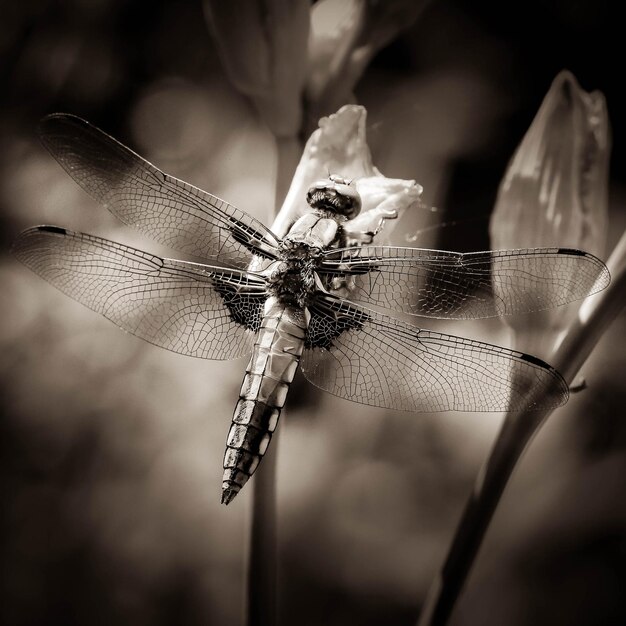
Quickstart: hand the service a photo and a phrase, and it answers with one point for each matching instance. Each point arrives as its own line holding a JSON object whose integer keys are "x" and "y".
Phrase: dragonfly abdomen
{"x": 271, "y": 369}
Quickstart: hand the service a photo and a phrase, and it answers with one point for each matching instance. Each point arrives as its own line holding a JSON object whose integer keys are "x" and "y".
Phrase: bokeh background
{"x": 112, "y": 448}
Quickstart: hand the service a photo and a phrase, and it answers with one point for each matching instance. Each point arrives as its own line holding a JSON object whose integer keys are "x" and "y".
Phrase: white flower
{"x": 339, "y": 146}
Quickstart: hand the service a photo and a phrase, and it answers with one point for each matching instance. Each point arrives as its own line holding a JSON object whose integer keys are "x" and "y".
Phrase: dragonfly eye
{"x": 335, "y": 195}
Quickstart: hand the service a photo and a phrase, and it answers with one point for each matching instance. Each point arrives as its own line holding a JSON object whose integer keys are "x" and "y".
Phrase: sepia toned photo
{"x": 312, "y": 313}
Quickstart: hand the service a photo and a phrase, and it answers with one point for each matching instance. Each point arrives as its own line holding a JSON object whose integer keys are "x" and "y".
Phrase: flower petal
{"x": 339, "y": 146}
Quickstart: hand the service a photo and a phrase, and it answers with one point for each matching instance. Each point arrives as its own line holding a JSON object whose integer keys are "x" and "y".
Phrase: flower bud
{"x": 345, "y": 35}
{"x": 555, "y": 191}
{"x": 263, "y": 48}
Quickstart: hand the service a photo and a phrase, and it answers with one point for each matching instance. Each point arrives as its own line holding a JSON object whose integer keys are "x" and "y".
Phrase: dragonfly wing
{"x": 374, "y": 359}
{"x": 197, "y": 310}
{"x": 436, "y": 283}
{"x": 162, "y": 207}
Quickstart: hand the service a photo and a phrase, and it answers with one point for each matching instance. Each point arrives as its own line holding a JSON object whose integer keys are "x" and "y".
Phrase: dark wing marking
{"x": 197, "y": 310}
{"x": 162, "y": 207}
{"x": 374, "y": 359}
{"x": 436, "y": 283}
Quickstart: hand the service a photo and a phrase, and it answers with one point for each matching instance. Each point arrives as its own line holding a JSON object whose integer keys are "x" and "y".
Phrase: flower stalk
{"x": 262, "y": 553}
{"x": 594, "y": 317}
{"x": 262, "y": 562}
{"x": 555, "y": 188}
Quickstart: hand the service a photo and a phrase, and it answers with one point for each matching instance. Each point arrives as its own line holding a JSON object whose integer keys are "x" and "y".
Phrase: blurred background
{"x": 112, "y": 448}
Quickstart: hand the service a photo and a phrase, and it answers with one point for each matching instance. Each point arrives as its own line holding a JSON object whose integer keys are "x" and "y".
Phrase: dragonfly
{"x": 306, "y": 300}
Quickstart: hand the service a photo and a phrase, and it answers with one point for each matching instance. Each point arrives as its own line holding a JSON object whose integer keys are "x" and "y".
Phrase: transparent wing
{"x": 374, "y": 359}
{"x": 162, "y": 207}
{"x": 192, "y": 309}
{"x": 436, "y": 283}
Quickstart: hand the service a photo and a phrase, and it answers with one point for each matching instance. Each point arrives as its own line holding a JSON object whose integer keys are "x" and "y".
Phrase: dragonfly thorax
{"x": 292, "y": 278}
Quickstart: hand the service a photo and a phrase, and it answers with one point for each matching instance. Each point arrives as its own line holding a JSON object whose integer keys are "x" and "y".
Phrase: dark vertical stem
{"x": 289, "y": 153}
{"x": 262, "y": 566}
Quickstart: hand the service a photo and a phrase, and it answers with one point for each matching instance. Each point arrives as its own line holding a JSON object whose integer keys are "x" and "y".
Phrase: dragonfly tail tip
{"x": 228, "y": 493}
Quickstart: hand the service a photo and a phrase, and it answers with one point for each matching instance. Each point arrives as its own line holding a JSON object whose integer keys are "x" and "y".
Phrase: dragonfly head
{"x": 336, "y": 195}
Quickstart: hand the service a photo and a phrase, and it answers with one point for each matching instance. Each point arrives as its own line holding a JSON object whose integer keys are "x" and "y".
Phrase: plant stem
{"x": 262, "y": 566}
{"x": 262, "y": 552}
{"x": 289, "y": 152}
{"x": 596, "y": 313}
{"x": 490, "y": 483}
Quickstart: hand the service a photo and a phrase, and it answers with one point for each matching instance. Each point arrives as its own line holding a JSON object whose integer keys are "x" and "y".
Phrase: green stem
{"x": 261, "y": 596}
{"x": 596, "y": 313}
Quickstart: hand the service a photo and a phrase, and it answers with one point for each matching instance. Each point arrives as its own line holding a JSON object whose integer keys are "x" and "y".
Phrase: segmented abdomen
{"x": 271, "y": 369}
